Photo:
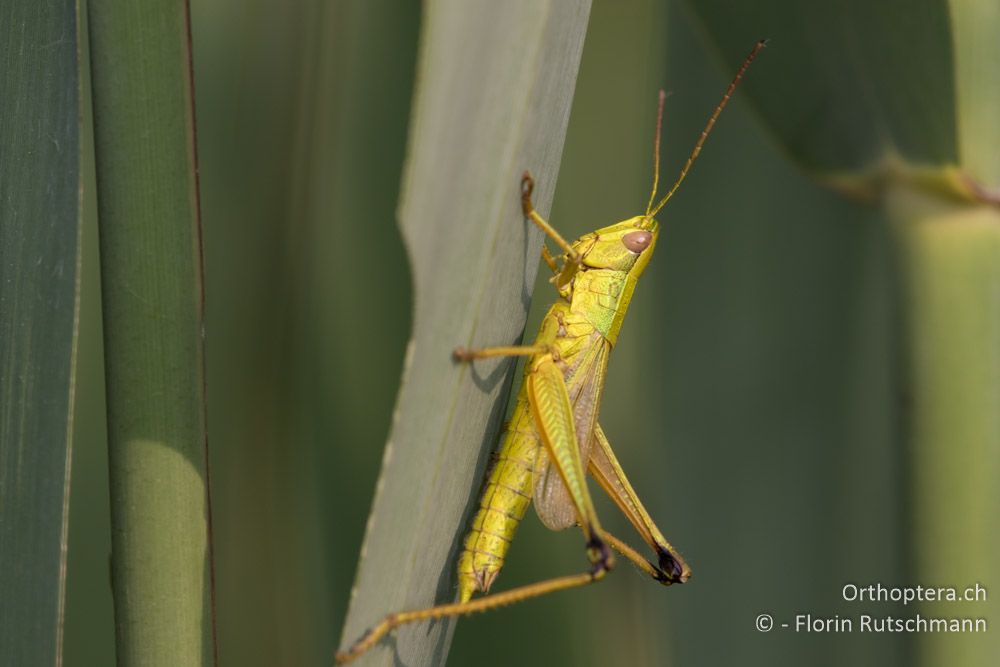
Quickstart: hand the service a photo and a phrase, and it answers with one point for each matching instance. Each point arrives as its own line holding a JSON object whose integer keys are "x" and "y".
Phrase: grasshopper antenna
{"x": 656, "y": 152}
{"x": 704, "y": 133}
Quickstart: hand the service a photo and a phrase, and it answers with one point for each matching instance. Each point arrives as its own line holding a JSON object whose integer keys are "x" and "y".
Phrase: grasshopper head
{"x": 628, "y": 245}
{"x": 624, "y": 246}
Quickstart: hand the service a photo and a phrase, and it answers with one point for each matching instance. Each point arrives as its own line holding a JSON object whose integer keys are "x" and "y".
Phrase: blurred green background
{"x": 752, "y": 397}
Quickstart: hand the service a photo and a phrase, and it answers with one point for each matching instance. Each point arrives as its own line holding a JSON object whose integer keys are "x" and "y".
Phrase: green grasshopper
{"x": 553, "y": 437}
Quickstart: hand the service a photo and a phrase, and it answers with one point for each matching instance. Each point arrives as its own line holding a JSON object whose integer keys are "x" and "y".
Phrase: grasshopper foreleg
{"x": 527, "y": 186}
{"x": 549, "y": 260}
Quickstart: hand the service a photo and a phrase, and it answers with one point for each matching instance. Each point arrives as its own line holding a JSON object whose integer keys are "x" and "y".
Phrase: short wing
{"x": 553, "y": 414}
{"x": 583, "y": 375}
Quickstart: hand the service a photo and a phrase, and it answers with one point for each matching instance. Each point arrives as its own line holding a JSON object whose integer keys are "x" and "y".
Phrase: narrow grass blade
{"x": 151, "y": 275}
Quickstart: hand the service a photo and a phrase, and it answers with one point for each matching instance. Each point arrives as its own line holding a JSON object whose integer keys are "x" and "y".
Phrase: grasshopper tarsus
{"x": 673, "y": 572}
{"x": 602, "y": 561}
{"x": 460, "y": 355}
{"x": 527, "y": 187}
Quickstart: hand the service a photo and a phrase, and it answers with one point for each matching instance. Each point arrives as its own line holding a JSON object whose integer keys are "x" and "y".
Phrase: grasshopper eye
{"x": 637, "y": 241}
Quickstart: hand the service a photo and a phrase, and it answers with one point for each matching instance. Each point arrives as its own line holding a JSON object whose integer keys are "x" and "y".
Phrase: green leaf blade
{"x": 493, "y": 97}
{"x": 847, "y": 85}
{"x": 152, "y": 294}
{"x": 975, "y": 24}
{"x": 39, "y": 245}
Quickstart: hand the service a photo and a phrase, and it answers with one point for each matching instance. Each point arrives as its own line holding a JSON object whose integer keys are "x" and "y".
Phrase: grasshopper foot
{"x": 671, "y": 570}
{"x": 600, "y": 557}
{"x": 527, "y": 187}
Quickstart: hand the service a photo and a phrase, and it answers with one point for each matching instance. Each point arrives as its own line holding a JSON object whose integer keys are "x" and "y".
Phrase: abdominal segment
{"x": 502, "y": 505}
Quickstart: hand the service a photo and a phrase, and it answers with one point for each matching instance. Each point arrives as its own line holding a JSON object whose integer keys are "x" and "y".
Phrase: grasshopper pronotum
{"x": 553, "y": 437}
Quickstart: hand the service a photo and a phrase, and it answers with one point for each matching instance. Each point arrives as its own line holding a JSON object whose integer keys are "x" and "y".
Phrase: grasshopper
{"x": 553, "y": 436}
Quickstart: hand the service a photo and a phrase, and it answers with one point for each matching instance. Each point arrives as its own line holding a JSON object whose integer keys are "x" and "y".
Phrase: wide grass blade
{"x": 39, "y": 245}
{"x": 846, "y": 84}
{"x": 949, "y": 257}
{"x": 897, "y": 102}
{"x": 495, "y": 83}
{"x": 151, "y": 274}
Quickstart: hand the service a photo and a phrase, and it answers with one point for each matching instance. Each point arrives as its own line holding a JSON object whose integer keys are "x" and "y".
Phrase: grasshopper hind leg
{"x": 605, "y": 468}
{"x": 485, "y": 603}
{"x": 667, "y": 572}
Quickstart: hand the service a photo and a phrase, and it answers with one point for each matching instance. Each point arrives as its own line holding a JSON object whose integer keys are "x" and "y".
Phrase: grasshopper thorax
{"x": 602, "y": 273}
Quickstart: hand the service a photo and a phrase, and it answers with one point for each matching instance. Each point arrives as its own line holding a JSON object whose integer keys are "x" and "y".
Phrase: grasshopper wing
{"x": 583, "y": 375}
